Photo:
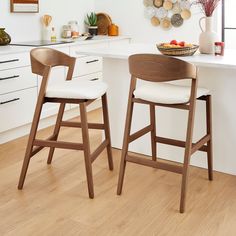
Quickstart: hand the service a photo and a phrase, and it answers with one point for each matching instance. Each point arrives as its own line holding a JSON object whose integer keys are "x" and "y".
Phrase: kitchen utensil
{"x": 46, "y": 20}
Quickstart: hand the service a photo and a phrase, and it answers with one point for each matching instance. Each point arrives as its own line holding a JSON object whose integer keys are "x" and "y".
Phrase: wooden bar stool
{"x": 68, "y": 91}
{"x": 157, "y": 68}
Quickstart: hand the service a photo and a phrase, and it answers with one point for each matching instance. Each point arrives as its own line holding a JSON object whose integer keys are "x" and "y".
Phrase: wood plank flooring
{"x": 55, "y": 201}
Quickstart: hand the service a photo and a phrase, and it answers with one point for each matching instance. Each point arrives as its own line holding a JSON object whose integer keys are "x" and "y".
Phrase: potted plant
{"x": 91, "y": 22}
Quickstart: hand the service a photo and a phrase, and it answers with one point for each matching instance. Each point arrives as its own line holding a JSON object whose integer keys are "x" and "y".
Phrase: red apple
{"x": 181, "y": 44}
{"x": 174, "y": 42}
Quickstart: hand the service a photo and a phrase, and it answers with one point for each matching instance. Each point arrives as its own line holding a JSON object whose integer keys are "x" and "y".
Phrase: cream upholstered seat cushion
{"x": 166, "y": 93}
{"x": 76, "y": 89}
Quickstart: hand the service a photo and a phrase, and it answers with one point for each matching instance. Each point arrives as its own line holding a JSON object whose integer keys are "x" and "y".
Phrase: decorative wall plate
{"x": 167, "y": 13}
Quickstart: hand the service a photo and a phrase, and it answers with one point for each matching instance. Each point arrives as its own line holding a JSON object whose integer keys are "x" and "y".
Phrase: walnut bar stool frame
{"x": 70, "y": 91}
{"x": 157, "y": 68}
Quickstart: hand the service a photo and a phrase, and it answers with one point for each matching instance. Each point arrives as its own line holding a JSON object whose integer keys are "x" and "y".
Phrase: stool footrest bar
{"x": 198, "y": 146}
{"x": 78, "y": 125}
{"x": 96, "y": 153}
{"x": 58, "y": 144}
{"x": 140, "y": 133}
{"x": 155, "y": 164}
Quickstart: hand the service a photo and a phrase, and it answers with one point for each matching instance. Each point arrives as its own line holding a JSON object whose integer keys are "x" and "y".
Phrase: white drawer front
{"x": 16, "y": 79}
{"x": 87, "y": 65}
{"x": 17, "y": 109}
{"x": 91, "y": 77}
{"x": 14, "y": 60}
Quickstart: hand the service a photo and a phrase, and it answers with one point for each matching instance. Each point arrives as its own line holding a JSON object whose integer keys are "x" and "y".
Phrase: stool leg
{"x": 125, "y": 145}
{"x": 107, "y": 130}
{"x": 209, "y": 131}
{"x": 87, "y": 159}
{"x": 188, "y": 145}
{"x": 153, "y": 132}
{"x": 56, "y": 131}
{"x": 31, "y": 139}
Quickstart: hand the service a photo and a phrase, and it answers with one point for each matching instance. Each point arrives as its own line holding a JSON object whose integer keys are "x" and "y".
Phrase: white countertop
{"x": 124, "y": 51}
{"x": 97, "y": 39}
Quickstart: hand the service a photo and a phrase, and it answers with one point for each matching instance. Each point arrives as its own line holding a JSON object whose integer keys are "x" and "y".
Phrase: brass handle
{"x": 12, "y": 100}
{"x": 10, "y": 77}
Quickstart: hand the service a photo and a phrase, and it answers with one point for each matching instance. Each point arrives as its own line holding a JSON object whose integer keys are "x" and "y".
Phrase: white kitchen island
{"x": 216, "y": 73}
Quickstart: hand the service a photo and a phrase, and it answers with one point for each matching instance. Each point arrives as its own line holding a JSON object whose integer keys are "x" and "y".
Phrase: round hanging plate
{"x": 161, "y": 13}
{"x": 167, "y": 5}
{"x": 148, "y": 3}
{"x": 158, "y": 3}
{"x": 165, "y": 23}
{"x": 155, "y": 21}
{"x": 176, "y": 8}
{"x": 149, "y": 12}
{"x": 186, "y": 14}
{"x": 184, "y": 4}
{"x": 177, "y": 20}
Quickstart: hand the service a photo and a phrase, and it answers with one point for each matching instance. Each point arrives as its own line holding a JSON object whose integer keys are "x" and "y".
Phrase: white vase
{"x": 208, "y": 37}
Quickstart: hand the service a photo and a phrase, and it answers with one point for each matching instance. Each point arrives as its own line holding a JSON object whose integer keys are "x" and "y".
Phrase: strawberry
{"x": 174, "y": 42}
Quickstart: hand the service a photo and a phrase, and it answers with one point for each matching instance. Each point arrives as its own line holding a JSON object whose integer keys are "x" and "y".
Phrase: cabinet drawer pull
{"x": 10, "y": 77}
{"x": 12, "y": 100}
{"x": 94, "y": 79}
{"x": 14, "y": 60}
{"x": 88, "y": 62}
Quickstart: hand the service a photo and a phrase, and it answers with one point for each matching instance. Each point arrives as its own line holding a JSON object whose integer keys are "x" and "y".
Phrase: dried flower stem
{"x": 208, "y": 6}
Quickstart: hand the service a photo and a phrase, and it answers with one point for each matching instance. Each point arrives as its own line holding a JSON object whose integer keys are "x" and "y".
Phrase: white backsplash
{"x": 27, "y": 26}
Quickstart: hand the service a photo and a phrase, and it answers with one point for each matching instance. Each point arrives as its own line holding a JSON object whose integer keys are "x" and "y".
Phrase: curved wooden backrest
{"x": 158, "y": 68}
{"x": 42, "y": 58}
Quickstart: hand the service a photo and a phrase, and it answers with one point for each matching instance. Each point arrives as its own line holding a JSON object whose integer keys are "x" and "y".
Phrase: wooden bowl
{"x": 177, "y": 52}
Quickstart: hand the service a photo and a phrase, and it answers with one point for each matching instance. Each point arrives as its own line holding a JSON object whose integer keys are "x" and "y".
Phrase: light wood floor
{"x": 55, "y": 200}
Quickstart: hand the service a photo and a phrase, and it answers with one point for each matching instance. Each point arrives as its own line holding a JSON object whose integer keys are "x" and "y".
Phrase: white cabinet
{"x": 18, "y": 91}
{"x": 17, "y": 108}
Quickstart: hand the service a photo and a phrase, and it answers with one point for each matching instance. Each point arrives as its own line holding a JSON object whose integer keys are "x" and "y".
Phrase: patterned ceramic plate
{"x": 177, "y": 20}
{"x": 148, "y": 3}
{"x": 165, "y": 23}
{"x": 149, "y": 12}
{"x": 184, "y": 4}
{"x": 161, "y": 13}
{"x": 158, "y": 3}
{"x": 186, "y": 14}
{"x": 176, "y": 8}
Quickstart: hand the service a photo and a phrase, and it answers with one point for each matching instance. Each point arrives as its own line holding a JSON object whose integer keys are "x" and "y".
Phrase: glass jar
{"x": 74, "y": 29}
{"x": 219, "y": 48}
{"x": 66, "y": 31}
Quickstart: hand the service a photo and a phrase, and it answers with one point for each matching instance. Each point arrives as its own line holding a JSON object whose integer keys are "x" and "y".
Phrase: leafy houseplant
{"x": 91, "y": 22}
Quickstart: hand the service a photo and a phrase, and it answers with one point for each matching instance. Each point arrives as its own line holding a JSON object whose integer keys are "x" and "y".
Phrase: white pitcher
{"x": 208, "y": 37}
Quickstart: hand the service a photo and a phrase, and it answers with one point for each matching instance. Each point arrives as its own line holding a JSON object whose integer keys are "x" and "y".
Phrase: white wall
{"x": 129, "y": 15}
{"x": 27, "y": 26}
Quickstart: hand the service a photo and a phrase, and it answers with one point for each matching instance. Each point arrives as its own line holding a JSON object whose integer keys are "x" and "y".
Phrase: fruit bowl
{"x": 177, "y": 49}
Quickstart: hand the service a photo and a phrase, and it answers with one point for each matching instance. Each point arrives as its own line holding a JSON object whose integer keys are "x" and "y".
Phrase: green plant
{"x": 91, "y": 19}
